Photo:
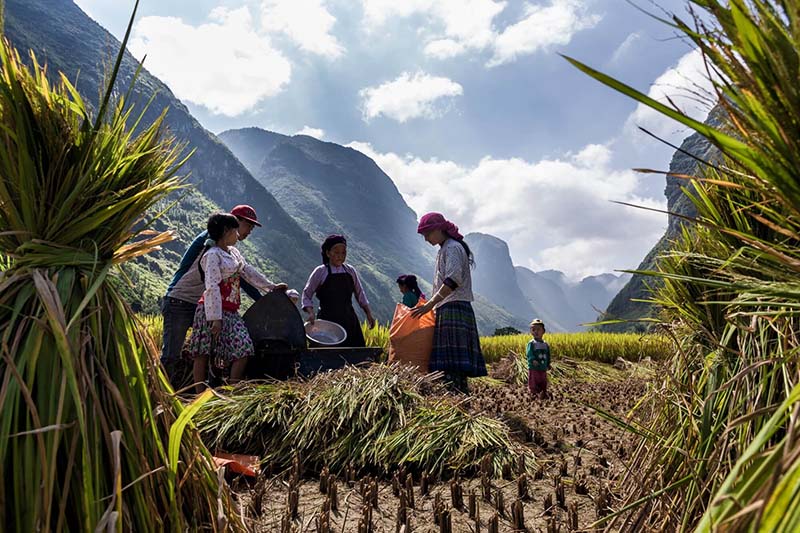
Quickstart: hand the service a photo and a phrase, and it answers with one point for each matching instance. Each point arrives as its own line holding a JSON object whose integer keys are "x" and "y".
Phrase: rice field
{"x": 586, "y": 346}
{"x": 589, "y": 346}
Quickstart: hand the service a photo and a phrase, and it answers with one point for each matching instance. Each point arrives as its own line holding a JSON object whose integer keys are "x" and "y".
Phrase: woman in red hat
{"x": 456, "y": 345}
{"x": 335, "y": 283}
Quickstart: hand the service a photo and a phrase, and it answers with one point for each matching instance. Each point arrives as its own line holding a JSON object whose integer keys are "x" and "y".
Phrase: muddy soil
{"x": 579, "y": 455}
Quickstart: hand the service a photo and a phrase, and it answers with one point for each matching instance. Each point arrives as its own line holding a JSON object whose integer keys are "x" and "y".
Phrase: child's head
{"x": 537, "y": 328}
{"x": 223, "y": 229}
{"x": 408, "y": 282}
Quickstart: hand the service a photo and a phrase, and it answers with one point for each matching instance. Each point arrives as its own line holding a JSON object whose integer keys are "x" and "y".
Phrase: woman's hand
{"x": 279, "y": 287}
{"x": 421, "y": 310}
{"x": 309, "y": 314}
{"x": 216, "y": 328}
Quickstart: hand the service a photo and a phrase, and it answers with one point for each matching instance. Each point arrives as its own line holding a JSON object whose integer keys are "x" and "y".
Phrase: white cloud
{"x": 626, "y": 47}
{"x": 460, "y": 26}
{"x": 444, "y": 48}
{"x": 307, "y": 23}
{"x": 409, "y": 96}
{"x": 687, "y": 86}
{"x": 554, "y": 213}
{"x": 463, "y": 23}
{"x": 317, "y": 133}
{"x": 541, "y": 28}
{"x": 223, "y": 64}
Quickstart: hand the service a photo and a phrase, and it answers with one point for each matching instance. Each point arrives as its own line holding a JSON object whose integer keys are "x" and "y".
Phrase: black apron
{"x": 336, "y": 304}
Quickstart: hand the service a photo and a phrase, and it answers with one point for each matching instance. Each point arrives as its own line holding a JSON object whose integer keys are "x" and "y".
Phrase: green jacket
{"x": 410, "y": 299}
{"x": 538, "y": 353}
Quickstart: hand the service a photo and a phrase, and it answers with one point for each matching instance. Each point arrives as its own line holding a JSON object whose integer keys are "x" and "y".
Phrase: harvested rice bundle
{"x": 91, "y": 437}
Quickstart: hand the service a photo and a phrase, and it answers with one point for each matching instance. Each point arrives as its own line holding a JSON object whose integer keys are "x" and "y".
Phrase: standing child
{"x": 407, "y": 283}
{"x": 538, "y": 353}
{"x": 218, "y": 330}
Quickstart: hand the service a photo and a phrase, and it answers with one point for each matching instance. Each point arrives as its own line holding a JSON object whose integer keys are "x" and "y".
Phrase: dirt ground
{"x": 578, "y": 456}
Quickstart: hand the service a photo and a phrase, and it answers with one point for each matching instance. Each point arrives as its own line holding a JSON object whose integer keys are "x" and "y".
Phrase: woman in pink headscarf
{"x": 456, "y": 345}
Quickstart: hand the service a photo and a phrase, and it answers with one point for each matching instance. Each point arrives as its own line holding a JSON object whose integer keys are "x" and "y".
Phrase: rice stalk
{"x": 85, "y": 412}
{"x": 721, "y": 444}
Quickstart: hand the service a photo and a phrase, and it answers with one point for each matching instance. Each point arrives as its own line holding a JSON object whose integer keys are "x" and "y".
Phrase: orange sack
{"x": 411, "y": 339}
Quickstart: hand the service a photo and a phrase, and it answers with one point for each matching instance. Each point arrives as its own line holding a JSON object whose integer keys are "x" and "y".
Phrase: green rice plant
{"x": 372, "y": 418}
{"x": 154, "y": 326}
{"x": 590, "y": 346}
{"x": 720, "y": 452}
{"x": 91, "y": 437}
{"x": 377, "y": 336}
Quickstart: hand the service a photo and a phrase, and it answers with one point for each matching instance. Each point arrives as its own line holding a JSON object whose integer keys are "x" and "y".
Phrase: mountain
{"x": 328, "y": 188}
{"x": 64, "y": 37}
{"x": 495, "y": 279}
{"x": 301, "y": 188}
{"x": 549, "y": 297}
{"x": 683, "y": 162}
{"x": 563, "y": 304}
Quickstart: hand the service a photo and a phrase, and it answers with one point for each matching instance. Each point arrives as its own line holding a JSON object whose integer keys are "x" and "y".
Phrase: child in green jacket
{"x": 538, "y": 353}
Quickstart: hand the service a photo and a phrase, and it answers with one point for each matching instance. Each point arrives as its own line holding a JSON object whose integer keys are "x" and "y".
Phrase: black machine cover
{"x": 275, "y": 318}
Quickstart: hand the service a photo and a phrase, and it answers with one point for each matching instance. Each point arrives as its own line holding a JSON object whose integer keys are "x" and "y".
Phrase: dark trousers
{"x": 178, "y": 316}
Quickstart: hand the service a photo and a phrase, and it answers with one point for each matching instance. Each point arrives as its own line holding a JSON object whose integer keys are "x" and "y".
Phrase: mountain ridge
{"x": 69, "y": 41}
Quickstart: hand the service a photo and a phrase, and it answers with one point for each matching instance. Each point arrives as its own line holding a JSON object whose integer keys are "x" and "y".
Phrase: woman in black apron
{"x": 334, "y": 284}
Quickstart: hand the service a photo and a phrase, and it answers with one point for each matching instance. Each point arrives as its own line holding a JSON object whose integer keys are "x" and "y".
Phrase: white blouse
{"x": 452, "y": 262}
{"x": 218, "y": 265}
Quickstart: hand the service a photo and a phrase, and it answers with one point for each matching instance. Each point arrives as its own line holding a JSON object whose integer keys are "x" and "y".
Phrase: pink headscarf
{"x": 434, "y": 221}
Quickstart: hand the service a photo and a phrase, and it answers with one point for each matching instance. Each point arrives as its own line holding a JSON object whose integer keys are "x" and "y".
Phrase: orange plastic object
{"x": 247, "y": 465}
{"x": 411, "y": 339}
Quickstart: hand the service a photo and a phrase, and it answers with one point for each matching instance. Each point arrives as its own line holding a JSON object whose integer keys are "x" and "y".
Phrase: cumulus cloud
{"x": 317, "y": 133}
{"x": 444, "y": 48}
{"x": 541, "y": 28}
{"x": 378, "y": 12}
{"x": 307, "y": 23}
{"x": 460, "y": 26}
{"x": 456, "y": 26}
{"x": 688, "y": 87}
{"x": 466, "y": 22}
{"x": 223, "y": 64}
{"x": 554, "y": 213}
{"x": 409, "y": 96}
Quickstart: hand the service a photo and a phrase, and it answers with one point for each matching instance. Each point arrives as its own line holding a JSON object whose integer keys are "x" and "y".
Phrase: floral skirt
{"x": 233, "y": 343}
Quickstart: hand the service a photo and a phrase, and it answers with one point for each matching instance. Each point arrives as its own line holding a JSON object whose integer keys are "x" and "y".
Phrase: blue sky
{"x": 466, "y": 104}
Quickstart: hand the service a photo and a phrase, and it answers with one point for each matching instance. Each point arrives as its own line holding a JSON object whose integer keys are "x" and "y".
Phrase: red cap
{"x": 245, "y": 212}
